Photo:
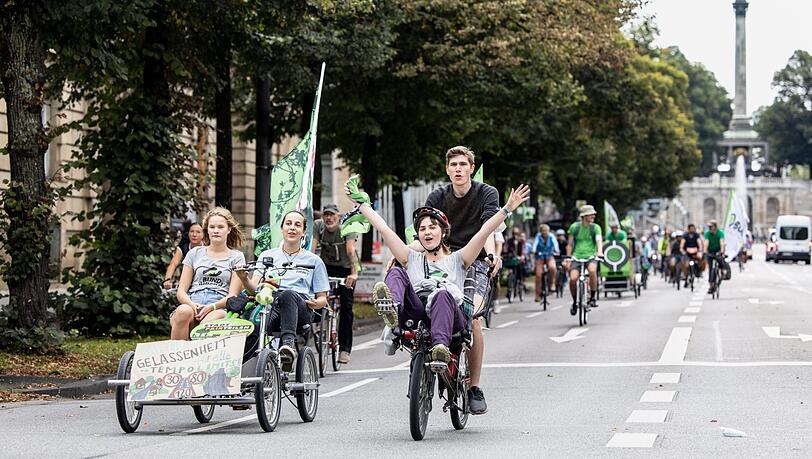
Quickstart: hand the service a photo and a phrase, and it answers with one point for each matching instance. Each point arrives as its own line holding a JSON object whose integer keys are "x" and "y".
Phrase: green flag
{"x": 355, "y": 222}
{"x": 292, "y": 185}
{"x": 479, "y": 174}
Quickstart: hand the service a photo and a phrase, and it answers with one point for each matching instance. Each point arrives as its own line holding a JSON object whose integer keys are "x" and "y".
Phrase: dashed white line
{"x": 556, "y": 308}
{"x": 535, "y": 314}
{"x": 695, "y": 303}
{"x": 647, "y": 416}
{"x": 658, "y": 396}
{"x": 367, "y": 345}
{"x": 352, "y": 386}
{"x": 665, "y": 378}
{"x": 508, "y": 324}
{"x": 692, "y": 310}
{"x": 632, "y": 440}
{"x": 686, "y": 319}
{"x": 677, "y": 345}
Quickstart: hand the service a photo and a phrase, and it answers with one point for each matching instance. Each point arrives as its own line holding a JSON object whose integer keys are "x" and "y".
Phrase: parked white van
{"x": 794, "y": 233}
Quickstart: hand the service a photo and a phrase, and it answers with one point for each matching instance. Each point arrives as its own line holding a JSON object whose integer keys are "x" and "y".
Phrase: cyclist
{"x": 692, "y": 245}
{"x": 662, "y": 248}
{"x": 300, "y": 290}
{"x": 615, "y": 233}
{"x": 714, "y": 250}
{"x": 545, "y": 249}
{"x": 468, "y": 205}
{"x": 429, "y": 286}
{"x": 513, "y": 254}
{"x": 338, "y": 255}
{"x": 206, "y": 280}
{"x": 561, "y": 240}
{"x": 674, "y": 254}
{"x": 585, "y": 241}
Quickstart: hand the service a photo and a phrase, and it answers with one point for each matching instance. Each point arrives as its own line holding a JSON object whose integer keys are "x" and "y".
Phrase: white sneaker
{"x": 388, "y": 339}
{"x": 343, "y": 357}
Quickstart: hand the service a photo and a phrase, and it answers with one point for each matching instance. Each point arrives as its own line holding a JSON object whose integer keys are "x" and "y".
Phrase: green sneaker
{"x": 382, "y": 298}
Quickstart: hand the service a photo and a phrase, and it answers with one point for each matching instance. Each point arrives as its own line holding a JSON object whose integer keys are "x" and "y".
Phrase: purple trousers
{"x": 446, "y": 317}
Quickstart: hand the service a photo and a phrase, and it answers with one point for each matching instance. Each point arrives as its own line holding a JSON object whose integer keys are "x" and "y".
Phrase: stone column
{"x": 740, "y": 100}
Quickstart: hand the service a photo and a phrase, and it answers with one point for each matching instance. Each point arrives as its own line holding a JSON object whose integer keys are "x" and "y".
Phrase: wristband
{"x": 167, "y": 279}
{"x": 506, "y": 212}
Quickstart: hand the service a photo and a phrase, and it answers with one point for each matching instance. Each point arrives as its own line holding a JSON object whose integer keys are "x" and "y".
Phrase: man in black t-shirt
{"x": 469, "y": 204}
{"x": 692, "y": 245}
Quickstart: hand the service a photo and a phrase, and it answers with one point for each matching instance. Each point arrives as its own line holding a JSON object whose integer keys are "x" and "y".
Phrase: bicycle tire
{"x": 580, "y": 304}
{"x": 269, "y": 403}
{"x": 334, "y": 350}
{"x": 129, "y": 416}
{"x": 459, "y": 417}
{"x": 419, "y": 403}
{"x": 203, "y": 413}
{"x": 509, "y": 293}
{"x": 308, "y": 400}
{"x": 321, "y": 341}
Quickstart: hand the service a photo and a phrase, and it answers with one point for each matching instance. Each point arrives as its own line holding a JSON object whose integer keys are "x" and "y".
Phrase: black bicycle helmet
{"x": 437, "y": 215}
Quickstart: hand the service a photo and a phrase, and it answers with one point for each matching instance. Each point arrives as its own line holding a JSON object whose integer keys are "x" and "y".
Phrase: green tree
{"x": 26, "y": 216}
{"x": 787, "y": 123}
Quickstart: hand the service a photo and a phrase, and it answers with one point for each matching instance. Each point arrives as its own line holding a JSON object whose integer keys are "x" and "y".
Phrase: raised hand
{"x": 517, "y": 197}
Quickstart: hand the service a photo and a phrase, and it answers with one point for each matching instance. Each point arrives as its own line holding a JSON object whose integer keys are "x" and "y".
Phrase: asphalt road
{"x": 682, "y": 364}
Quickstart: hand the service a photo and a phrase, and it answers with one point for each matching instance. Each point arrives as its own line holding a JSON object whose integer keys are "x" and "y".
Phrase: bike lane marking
{"x": 692, "y": 310}
{"x": 677, "y": 345}
{"x": 367, "y": 345}
{"x": 665, "y": 378}
{"x": 658, "y": 396}
{"x": 686, "y": 319}
{"x": 535, "y": 314}
{"x": 647, "y": 416}
{"x": 250, "y": 417}
{"x": 632, "y": 440}
{"x": 508, "y": 324}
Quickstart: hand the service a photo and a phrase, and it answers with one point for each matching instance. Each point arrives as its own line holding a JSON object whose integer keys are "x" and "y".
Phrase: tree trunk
{"x": 263, "y": 151}
{"x": 369, "y": 166}
{"x": 222, "y": 109}
{"x": 27, "y": 241}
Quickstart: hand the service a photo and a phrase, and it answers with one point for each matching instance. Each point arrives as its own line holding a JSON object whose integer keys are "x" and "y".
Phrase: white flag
{"x": 735, "y": 226}
{"x": 610, "y": 217}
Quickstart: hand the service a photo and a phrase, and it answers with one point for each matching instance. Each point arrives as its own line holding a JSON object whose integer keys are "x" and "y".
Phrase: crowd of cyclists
{"x": 442, "y": 278}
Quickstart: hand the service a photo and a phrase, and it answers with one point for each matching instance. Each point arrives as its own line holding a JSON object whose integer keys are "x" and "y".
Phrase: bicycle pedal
{"x": 438, "y": 367}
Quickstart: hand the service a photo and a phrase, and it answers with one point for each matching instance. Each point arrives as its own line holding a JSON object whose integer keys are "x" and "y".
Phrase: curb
{"x": 62, "y": 387}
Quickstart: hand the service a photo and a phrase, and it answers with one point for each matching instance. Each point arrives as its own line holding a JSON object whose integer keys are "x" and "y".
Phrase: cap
{"x": 330, "y": 208}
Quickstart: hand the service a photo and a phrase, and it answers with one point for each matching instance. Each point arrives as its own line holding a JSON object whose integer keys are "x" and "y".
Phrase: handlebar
{"x": 268, "y": 263}
{"x": 585, "y": 260}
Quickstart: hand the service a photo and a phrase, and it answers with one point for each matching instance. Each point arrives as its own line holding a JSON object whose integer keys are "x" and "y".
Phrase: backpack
{"x": 592, "y": 233}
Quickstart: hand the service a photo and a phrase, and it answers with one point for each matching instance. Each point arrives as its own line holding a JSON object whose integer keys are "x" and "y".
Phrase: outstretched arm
{"x": 474, "y": 246}
{"x": 399, "y": 249}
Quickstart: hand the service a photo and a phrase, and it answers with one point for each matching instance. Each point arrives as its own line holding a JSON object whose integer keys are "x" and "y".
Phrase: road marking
{"x": 232, "y": 422}
{"x": 535, "y": 314}
{"x": 693, "y": 310}
{"x": 571, "y": 335}
{"x": 686, "y": 319}
{"x": 647, "y": 416}
{"x": 775, "y": 332}
{"x": 758, "y": 301}
{"x": 677, "y": 345}
{"x": 352, "y": 386}
{"x": 367, "y": 345}
{"x": 665, "y": 378}
{"x": 695, "y": 303}
{"x": 556, "y": 308}
{"x": 625, "y": 304}
{"x": 658, "y": 396}
{"x": 508, "y": 324}
{"x": 632, "y": 440}
{"x": 717, "y": 334}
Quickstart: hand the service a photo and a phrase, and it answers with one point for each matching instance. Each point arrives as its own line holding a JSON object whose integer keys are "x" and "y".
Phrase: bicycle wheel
{"x": 419, "y": 401}
{"x": 321, "y": 340}
{"x": 308, "y": 400}
{"x": 334, "y": 350}
{"x": 268, "y": 392}
{"x": 520, "y": 289}
{"x": 509, "y": 293}
{"x": 203, "y": 413}
{"x": 129, "y": 416}
{"x": 459, "y": 413}
{"x": 580, "y": 304}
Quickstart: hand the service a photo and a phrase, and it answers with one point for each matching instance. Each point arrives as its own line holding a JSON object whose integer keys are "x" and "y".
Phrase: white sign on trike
{"x": 182, "y": 369}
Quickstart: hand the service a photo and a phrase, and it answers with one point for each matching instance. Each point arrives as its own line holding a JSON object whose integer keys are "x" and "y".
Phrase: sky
{"x": 705, "y": 32}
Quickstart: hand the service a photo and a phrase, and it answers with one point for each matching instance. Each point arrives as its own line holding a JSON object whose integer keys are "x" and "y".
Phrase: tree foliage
{"x": 787, "y": 123}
